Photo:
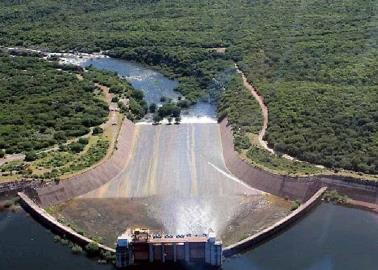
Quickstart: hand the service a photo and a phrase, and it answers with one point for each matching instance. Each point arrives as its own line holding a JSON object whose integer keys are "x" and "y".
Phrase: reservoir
{"x": 331, "y": 237}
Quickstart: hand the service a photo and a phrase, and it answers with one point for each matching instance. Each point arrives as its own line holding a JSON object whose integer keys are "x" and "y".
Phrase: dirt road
{"x": 264, "y": 110}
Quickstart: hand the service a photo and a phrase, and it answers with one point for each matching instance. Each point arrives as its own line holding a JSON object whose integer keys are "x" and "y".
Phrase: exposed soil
{"x": 108, "y": 218}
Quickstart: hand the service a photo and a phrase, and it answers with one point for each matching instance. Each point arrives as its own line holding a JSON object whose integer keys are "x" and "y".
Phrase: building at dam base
{"x": 141, "y": 247}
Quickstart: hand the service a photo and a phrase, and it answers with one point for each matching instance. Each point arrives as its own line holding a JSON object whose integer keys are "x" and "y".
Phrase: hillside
{"x": 315, "y": 62}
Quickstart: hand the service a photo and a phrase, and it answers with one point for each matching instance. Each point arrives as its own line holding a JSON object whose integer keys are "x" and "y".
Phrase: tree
{"x": 152, "y": 108}
{"x": 76, "y": 147}
{"x": 92, "y": 249}
{"x": 30, "y": 156}
{"x": 156, "y": 118}
{"x": 83, "y": 141}
{"x": 97, "y": 130}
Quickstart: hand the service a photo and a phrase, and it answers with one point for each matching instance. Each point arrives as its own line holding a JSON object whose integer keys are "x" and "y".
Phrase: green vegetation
{"x": 169, "y": 110}
{"x": 261, "y": 157}
{"x": 242, "y": 111}
{"x": 334, "y": 196}
{"x": 294, "y": 205}
{"x": 12, "y": 166}
{"x": 76, "y": 249}
{"x": 70, "y": 160}
{"x": 42, "y": 106}
{"x": 92, "y": 249}
{"x": 122, "y": 90}
{"x": 314, "y": 61}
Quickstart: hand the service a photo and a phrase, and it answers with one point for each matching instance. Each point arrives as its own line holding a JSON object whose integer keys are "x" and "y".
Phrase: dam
{"x": 175, "y": 181}
{"x": 141, "y": 247}
{"x": 182, "y": 184}
{"x": 170, "y": 178}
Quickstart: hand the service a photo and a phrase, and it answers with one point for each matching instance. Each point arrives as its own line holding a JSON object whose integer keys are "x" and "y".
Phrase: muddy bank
{"x": 300, "y": 188}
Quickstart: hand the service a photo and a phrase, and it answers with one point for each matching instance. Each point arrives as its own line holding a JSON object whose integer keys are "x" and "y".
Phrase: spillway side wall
{"x": 269, "y": 232}
{"x": 93, "y": 178}
{"x": 295, "y": 188}
{"x": 51, "y": 223}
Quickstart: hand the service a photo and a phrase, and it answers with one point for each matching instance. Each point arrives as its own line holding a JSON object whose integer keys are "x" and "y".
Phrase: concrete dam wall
{"x": 301, "y": 188}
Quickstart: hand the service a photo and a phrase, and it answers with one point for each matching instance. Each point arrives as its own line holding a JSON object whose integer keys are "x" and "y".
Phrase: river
{"x": 154, "y": 86}
{"x": 331, "y": 237}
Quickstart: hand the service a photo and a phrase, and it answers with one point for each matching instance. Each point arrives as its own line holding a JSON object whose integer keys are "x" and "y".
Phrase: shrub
{"x": 83, "y": 141}
{"x": 156, "y": 118}
{"x": 334, "y": 196}
{"x": 152, "y": 108}
{"x": 97, "y": 130}
{"x": 76, "y": 147}
{"x": 92, "y": 249}
{"x": 294, "y": 205}
{"x": 57, "y": 238}
{"x": 76, "y": 249}
{"x": 30, "y": 156}
{"x": 2, "y": 153}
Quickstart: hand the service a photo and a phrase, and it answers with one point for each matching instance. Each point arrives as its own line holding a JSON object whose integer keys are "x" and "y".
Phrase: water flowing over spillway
{"x": 175, "y": 179}
{"x": 179, "y": 171}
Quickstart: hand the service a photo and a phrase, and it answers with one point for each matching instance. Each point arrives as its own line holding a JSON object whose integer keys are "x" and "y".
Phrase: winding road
{"x": 264, "y": 110}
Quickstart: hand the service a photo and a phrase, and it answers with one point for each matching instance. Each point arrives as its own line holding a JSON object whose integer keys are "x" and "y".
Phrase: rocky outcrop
{"x": 11, "y": 188}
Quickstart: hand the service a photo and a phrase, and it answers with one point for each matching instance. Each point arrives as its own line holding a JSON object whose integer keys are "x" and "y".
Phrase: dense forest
{"x": 42, "y": 105}
{"x": 314, "y": 61}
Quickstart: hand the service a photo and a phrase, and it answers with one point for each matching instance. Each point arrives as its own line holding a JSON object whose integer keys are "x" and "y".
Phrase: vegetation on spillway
{"x": 53, "y": 112}
{"x": 315, "y": 62}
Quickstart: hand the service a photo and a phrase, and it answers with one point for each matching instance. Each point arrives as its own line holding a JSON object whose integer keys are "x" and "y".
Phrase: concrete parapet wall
{"x": 265, "y": 234}
{"x": 298, "y": 188}
{"x": 93, "y": 178}
{"x": 50, "y": 222}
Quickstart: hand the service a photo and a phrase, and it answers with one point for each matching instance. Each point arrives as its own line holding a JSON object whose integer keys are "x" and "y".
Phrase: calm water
{"x": 152, "y": 83}
{"x": 154, "y": 86}
{"x": 25, "y": 244}
{"x": 330, "y": 237}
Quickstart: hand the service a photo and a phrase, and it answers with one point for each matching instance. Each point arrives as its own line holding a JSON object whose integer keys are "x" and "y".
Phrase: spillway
{"x": 176, "y": 181}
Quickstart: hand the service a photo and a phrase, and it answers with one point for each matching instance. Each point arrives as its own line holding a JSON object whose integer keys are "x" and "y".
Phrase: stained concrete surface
{"x": 176, "y": 182}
